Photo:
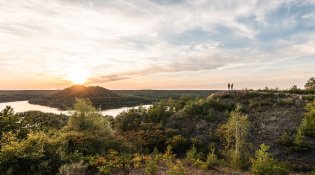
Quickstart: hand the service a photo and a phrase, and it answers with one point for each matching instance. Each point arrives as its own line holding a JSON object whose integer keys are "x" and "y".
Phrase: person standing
{"x": 229, "y": 86}
{"x": 232, "y": 86}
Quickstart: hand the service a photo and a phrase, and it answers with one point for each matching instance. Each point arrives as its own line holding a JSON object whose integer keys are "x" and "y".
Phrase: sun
{"x": 78, "y": 76}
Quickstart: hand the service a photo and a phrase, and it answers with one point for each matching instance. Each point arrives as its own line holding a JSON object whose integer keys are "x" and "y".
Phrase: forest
{"x": 231, "y": 132}
{"x": 99, "y": 96}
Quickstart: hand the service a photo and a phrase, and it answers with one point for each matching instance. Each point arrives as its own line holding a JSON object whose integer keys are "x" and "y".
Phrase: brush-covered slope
{"x": 274, "y": 120}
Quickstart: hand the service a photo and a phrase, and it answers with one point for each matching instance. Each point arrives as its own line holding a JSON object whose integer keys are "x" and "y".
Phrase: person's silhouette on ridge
{"x": 232, "y": 86}
{"x": 229, "y": 86}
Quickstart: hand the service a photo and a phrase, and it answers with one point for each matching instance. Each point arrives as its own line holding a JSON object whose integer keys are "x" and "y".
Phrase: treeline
{"x": 309, "y": 88}
{"x": 22, "y": 95}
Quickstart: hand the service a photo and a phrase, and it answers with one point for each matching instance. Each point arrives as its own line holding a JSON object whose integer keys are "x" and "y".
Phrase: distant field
{"x": 162, "y": 94}
{"x": 20, "y": 95}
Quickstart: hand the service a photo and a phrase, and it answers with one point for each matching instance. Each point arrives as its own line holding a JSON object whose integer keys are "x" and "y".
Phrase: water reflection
{"x": 22, "y": 106}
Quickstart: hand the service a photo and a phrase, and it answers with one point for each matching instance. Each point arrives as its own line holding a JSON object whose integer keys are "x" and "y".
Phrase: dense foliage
{"x": 215, "y": 135}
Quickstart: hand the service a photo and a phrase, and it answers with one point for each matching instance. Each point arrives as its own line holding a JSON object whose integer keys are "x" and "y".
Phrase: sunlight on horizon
{"x": 78, "y": 77}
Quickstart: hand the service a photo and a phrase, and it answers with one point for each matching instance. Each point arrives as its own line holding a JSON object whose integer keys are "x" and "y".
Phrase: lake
{"x": 22, "y": 106}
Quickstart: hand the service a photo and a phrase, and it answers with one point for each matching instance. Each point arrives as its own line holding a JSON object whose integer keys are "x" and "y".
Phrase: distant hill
{"x": 80, "y": 91}
{"x": 99, "y": 96}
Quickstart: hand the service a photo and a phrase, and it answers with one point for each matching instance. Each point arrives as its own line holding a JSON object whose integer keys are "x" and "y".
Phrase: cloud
{"x": 121, "y": 40}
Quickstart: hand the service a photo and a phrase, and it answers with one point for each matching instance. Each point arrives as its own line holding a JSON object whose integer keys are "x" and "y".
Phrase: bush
{"x": 168, "y": 156}
{"x": 285, "y": 140}
{"x": 151, "y": 166}
{"x": 306, "y": 128}
{"x": 299, "y": 143}
{"x": 112, "y": 162}
{"x": 212, "y": 160}
{"x": 38, "y": 154}
{"x": 192, "y": 156}
{"x": 176, "y": 168}
{"x": 264, "y": 164}
{"x": 73, "y": 169}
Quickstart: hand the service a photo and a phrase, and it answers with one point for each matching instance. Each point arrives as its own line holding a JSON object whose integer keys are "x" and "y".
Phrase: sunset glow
{"x": 159, "y": 44}
{"x": 78, "y": 77}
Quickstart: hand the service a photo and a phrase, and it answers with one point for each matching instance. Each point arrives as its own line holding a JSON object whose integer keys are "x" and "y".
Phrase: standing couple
{"x": 230, "y": 86}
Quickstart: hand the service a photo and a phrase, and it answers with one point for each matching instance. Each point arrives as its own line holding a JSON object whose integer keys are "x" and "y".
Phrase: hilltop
{"x": 99, "y": 96}
{"x": 80, "y": 91}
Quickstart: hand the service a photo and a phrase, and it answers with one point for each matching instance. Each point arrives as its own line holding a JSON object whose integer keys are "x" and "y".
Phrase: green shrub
{"x": 73, "y": 169}
{"x": 192, "y": 155}
{"x": 176, "y": 168}
{"x": 112, "y": 162}
{"x": 309, "y": 118}
{"x": 285, "y": 140}
{"x": 212, "y": 160}
{"x": 254, "y": 104}
{"x": 306, "y": 128}
{"x": 151, "y": 166}
{"x": 168, "y": 156}
{"x": 235, "y": 159}
{"x": 299, "y": 143}
{"x": 38, "y": 154}
{"x": 264, "y": 164}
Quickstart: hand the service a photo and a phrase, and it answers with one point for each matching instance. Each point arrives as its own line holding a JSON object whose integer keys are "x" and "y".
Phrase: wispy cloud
{"x": 119, "y": 41}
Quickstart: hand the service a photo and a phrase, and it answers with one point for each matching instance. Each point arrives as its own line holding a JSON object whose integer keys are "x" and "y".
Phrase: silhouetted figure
{"x": 232, "y": 86}
{"x": 229, "y": 86}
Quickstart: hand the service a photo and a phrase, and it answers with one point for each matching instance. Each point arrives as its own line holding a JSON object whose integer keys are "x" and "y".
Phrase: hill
{"x": 274, "y": 120}
{"x": 80, "y": 91}
{"x": 99, "y": 96}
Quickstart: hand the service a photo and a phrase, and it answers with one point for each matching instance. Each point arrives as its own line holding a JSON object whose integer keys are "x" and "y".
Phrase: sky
{"x": 156, "y": 44}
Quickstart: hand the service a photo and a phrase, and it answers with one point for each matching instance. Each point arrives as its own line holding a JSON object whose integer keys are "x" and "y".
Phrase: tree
{"x": 8, "y": 120}
{"x": 85, "y": 118}
{"x": 212, "y": 159}
{"x": 310, "y": 84}
{"x": 235, "y": 133}
{"x": 87, "y": 131}
{"x": 294, "y": 89}
{"x": 264, "y": 164}
{"x": 130, "y": 120}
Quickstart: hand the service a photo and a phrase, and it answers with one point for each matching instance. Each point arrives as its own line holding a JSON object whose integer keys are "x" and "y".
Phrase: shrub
{"x": 112, "y": 162}
{"x": 176, "y": 168}
{"x": 38, "y": 154}
{"x": 285, "y": 140}
{"x": 151, "y": 166}
{"x": 306, "y": 128}
{"x": 192, "y": 156}
{"x": 264, "y": 164}
{"x": 73, "y": 169}
{"x": 299, "y": 143}
{"x": 168, "y": 156}
{"x": 212, "y": 160}
{"x": 310, "y": 119}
